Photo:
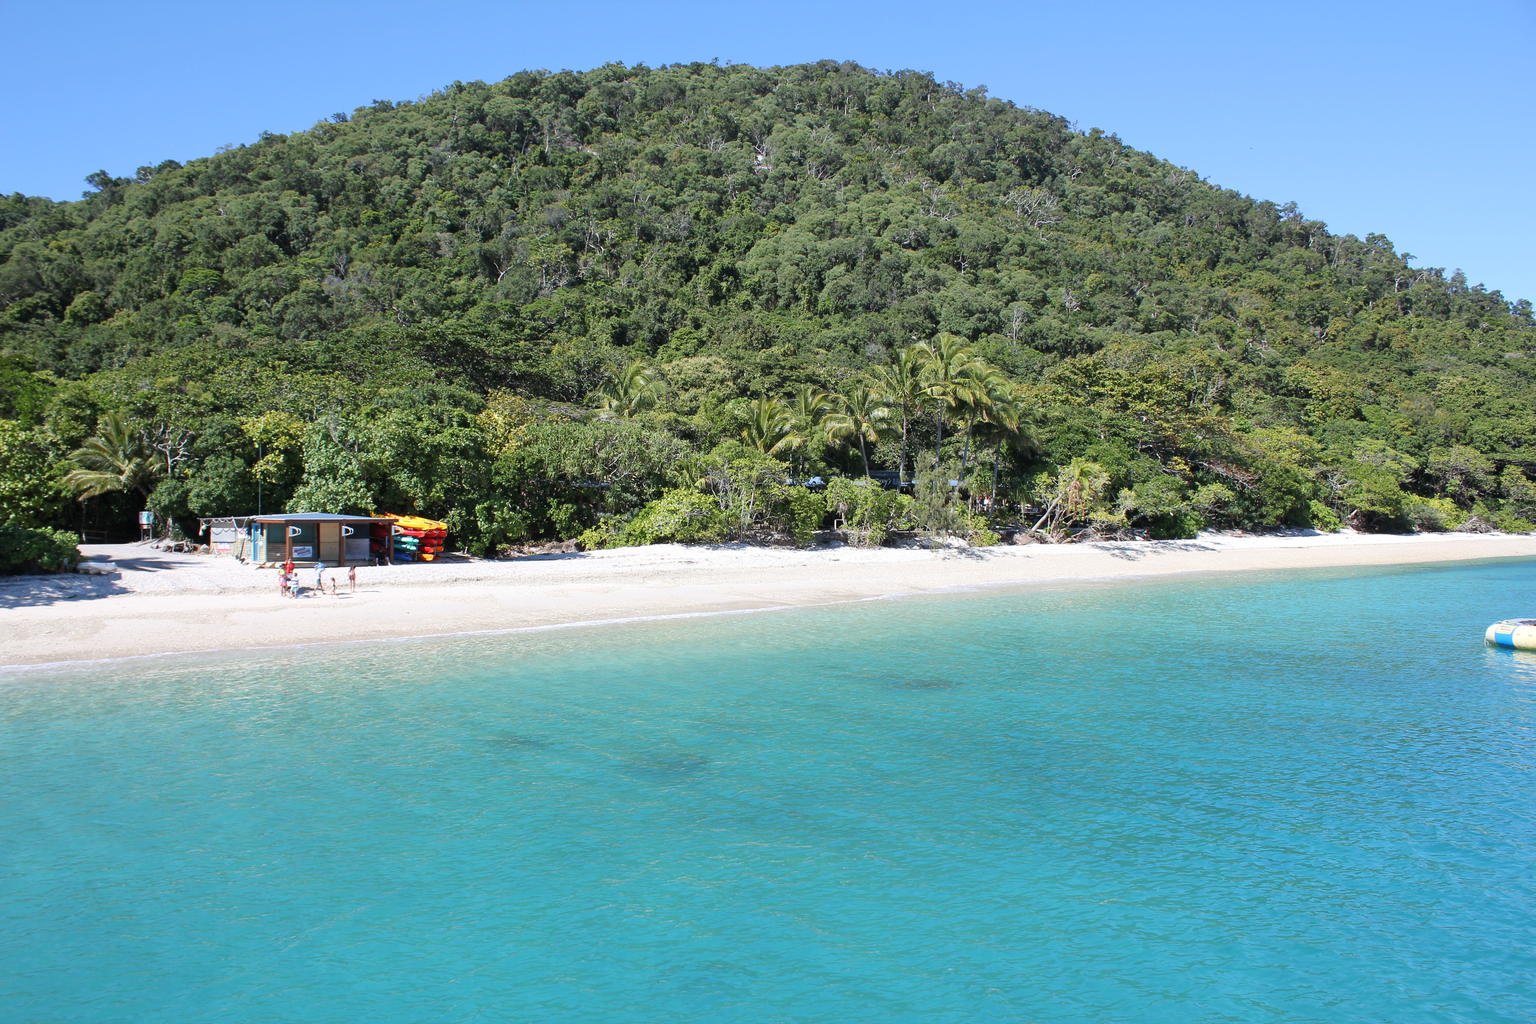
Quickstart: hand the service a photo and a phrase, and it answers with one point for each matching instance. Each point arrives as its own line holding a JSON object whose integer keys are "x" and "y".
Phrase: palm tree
{"x": 979, "y": 392}
{"x": 768, "y": 426}
{"x": 807, "y": 408}
{"x": 861, "y": 416}
{"x": 1005, "y": 425}
{"x": 632, "y": 392}
{"x": 118, "y": 458}
{"x": 948, "y": 366}
{"x": 901, "y": 385}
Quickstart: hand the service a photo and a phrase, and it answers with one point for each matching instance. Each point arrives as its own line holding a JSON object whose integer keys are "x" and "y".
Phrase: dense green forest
{"x": 639, "y": 304}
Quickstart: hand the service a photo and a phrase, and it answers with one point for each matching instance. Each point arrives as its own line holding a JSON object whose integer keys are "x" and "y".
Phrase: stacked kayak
{"x": 415, "y": 539}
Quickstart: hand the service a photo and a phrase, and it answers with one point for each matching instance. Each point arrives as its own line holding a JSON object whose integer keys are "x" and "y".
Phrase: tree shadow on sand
{"x": 1135, "y": 552}
{"x": 550, "y": 556}
{"x": 150, "y": 562}
{"x": 34, "y": 591}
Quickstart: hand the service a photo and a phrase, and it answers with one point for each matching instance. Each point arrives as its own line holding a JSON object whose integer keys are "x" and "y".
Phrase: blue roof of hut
{"x": 317, "y": 517}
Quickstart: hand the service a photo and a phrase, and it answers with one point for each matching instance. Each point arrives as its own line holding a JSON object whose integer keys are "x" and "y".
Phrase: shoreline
{"x": 159, "y": 604}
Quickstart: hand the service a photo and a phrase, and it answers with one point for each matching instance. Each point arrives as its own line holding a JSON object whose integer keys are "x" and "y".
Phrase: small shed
{"x": 306, "y": 538}
{"x": 226, "y": 535}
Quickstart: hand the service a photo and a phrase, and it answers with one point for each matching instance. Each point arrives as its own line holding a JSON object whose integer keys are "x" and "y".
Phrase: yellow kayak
{"x": 416, "y": 522}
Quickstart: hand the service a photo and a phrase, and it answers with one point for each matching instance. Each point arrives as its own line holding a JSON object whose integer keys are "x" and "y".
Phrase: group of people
{"x": 289, "y": 586}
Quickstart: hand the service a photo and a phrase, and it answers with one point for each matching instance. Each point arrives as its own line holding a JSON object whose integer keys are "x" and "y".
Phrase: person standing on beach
{"x": 352, "y": 578}
{"x": 320, "y": 577}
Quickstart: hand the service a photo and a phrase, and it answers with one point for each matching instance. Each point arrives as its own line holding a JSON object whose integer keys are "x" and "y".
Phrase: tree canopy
{"x": 474, "y": 306}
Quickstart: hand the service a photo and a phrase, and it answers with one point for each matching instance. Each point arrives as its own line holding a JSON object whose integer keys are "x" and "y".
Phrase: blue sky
{"x": 1412, "y": 119}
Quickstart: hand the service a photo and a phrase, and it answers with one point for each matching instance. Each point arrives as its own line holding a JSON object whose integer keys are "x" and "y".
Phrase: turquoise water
{"x": 1298, "y": 798}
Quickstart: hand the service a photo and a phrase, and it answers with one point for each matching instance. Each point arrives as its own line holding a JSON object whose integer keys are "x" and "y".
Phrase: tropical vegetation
{"x": 636, "y": 304}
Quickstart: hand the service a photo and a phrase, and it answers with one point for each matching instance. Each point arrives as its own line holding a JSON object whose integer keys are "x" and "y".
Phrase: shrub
{"x": 747, "y": 485}
{"x": 977, "y": 531}
{"x": 1322, "y": 517}
{"x": 869, "y": 512}
{"x": 1519, "y": 496}
{"x": 1513, "y": 524}
{"x": 1433, "y": 515}
{"x": 1180, "y": 524}
{"x": 496, "y": 526}
{"x": 1376, "y": 495}
{"x": 1503, "y": 520}
{"x": 1159, "y": 504}
{"x": 564, "y": 518}
{"x": 804, "y": 513}
{"x": 606, "y": 534}
{"x": 24, "y": 551}
{"x": 936, "y": 507}
{"x": 1278, "y": 497}
{"x": 1216, "y": 504}
{"x": 681, "y": 516}
{"x": 29, "y": 491}
{"x": 560, "y": 477}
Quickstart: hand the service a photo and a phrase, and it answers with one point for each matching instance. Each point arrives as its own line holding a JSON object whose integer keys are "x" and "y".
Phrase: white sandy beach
{"x": 159, "y": 603}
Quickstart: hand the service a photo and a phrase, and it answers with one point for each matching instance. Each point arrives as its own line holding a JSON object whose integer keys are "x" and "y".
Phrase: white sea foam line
{"x": 417, "y": 637}
{"x": 959, "y": 588}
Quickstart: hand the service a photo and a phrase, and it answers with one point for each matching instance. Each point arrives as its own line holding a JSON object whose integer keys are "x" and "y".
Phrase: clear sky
{"x": 1409, "y": 118}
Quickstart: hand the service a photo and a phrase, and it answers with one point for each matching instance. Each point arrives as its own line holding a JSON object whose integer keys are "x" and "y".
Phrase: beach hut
{"x": 225, "y": 535}
{"x": 309, "y": 537}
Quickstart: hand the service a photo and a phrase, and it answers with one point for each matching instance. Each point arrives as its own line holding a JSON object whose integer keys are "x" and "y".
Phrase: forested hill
{"x": 484, "y": 303}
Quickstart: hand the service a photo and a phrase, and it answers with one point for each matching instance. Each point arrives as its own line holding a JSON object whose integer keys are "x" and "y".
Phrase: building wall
{"x": 313, "y": 541}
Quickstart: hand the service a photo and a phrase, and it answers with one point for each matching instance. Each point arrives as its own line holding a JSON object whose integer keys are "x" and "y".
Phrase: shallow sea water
{"x": 1308, "y": 797}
